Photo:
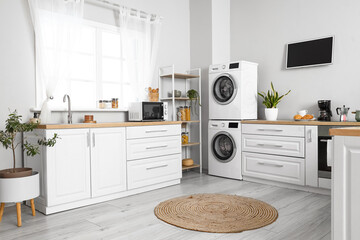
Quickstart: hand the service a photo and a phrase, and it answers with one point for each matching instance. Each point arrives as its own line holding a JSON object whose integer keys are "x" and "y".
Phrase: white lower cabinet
{"x": 155, "y": 170}
{"x": 88, "y": 166}
{"x": 108, "y": 161}
{"x": 276, "y": 168}
{"x": 68, "y": 167}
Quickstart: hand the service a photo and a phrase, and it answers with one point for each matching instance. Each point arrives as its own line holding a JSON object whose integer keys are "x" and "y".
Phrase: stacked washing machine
{"x": 232, "y": 98}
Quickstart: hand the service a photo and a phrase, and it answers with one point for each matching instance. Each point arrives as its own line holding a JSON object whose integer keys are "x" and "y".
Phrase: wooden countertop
{"x": 293, "y": 122}
{"x": 105, "y": 125}
{"x": 350, "y": 131}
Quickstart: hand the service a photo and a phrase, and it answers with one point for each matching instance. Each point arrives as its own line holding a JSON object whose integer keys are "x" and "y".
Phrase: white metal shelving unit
{"x": 170, "y": 81}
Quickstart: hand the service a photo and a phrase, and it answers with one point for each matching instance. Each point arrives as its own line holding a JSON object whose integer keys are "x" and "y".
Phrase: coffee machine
{"x": 325, "y": 113}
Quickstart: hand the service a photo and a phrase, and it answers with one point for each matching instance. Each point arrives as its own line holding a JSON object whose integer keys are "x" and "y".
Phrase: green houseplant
{"x": 194, "y": 98}
{"x": 271, "y": 99}
{"x": 8, "y": 139}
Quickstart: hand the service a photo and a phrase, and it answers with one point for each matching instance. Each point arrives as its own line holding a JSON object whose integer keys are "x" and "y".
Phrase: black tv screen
{"x": 309, "y": 53}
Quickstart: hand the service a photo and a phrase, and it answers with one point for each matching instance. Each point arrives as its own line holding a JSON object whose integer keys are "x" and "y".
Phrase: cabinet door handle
{"x": 270, "y": 130}
{"x": 309, "y": 134}
{"x": 269, "y": 145}
{"x": 153, "y": 131}
{"x": 88, "y": 139}
{"x": 93, "y": 139}
{"x": 160, "y": 166}
{"x": 270, "y": 164}
{"x": 162, "y": 146}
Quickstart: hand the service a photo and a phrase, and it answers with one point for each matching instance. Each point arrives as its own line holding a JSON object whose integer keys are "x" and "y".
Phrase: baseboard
{"x": 290, "y": 186}
{"x": 86, "y": 202}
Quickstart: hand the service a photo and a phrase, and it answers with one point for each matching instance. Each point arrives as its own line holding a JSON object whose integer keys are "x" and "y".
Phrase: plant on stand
{"x": 194, "y": 98}
{"x": 271, "y": 100}
{"x": 8, "y": 139}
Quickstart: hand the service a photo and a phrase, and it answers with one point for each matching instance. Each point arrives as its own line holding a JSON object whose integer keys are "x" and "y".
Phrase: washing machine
{"x": 233, "y": 91}
{"x": 225, "y": 149}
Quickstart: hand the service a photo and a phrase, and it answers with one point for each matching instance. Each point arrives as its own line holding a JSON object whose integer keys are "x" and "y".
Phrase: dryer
{"x": 233, "y": 91}
{"x": 225, "y": 149}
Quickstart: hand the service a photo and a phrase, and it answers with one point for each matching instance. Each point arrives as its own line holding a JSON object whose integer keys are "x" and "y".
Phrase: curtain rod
{"x": 117, "y": 6}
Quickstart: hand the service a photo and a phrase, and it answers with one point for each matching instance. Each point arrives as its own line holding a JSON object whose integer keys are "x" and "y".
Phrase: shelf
{"x": 177, "y": 98}
{"x": 190, "y": 144}
{"x": 180, "y": 75}
{"x": 193, "y": 121}
{"x": 190, "y": 167}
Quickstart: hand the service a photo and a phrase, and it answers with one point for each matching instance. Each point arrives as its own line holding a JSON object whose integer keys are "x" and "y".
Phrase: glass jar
{"x": 182, "y": 114}
{"x": 185, "y": 137}
{"x": 115, "y": 103}
{"x": 187, "y": 113}
{"x": 101, "y": 104}
{"x": 107, "y": 104}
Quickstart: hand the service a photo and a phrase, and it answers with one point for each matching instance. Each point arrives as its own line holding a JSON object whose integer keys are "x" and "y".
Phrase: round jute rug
{"x": 216, "y": 213}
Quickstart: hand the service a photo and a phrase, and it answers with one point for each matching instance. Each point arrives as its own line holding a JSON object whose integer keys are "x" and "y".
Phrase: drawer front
{"x": 274, "y": 130}
{"x": 153, "y": 131}
{"x": 152, "y": 147}
{"x": 276, "y": 168}
{"x": 146, "y": 172}
{"x": 287, "y": 146}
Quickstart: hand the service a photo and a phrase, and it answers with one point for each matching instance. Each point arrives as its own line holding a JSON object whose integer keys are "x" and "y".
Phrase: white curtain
{"x": 139, "y": 36}
{"x": 57, "y": 24}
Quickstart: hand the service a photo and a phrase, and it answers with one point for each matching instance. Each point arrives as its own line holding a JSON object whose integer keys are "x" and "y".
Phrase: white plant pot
{"x": 19, "y": 189}
{"x": 271, "y": 114}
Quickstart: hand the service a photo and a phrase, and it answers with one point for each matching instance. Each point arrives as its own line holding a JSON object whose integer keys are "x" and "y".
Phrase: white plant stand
{"x": 17, "y": 190}
{"x": 170, "y": 81}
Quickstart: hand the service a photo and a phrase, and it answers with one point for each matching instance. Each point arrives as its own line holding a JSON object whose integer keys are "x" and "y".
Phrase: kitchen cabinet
{"x": 67, "y": 169}
{"x": 345, "y": 194}
{"x": 108, "y": 161}
{"x": 91, "y": 165}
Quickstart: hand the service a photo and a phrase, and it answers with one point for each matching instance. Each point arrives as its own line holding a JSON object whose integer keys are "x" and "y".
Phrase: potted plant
{"x": 271, "y": 100}
{"x": 8, "y": 139}
{"x": 194, "y": 98}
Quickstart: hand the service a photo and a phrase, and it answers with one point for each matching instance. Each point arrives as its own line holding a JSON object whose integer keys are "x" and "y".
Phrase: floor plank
{"x": 302, "y": 215}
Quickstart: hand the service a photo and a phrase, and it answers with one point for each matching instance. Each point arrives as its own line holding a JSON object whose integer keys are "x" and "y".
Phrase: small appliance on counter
{"x": 325, "y": 113}
{"x": 148, "y": 111}
{"x": 343, "y": 112}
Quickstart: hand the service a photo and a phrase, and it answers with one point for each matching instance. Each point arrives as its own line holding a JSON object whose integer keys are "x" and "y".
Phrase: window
{"x": 99, "y": 70}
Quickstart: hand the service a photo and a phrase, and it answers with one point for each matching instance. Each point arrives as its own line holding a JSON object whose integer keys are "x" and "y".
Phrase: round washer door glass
{"x": 224, "y": 89}
{"x": 223, "y": 147}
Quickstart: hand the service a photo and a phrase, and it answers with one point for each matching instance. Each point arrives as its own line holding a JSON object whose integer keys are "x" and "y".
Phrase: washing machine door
{"x": 223, "y": 147}
{"x": 224, "y": 89}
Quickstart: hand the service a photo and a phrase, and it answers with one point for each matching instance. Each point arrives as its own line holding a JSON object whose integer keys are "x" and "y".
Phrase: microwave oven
{"x": 148, "y": 111}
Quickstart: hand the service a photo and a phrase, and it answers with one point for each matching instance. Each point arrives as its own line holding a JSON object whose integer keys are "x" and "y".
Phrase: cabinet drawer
{"x": 153, "y": 131}
{"x": 276, "y": 168}
{"x": 152, "y": 147}
{"x": 275, "y": 130}
{"x": 287, "y": 146}
{"x": 150, "y": 171}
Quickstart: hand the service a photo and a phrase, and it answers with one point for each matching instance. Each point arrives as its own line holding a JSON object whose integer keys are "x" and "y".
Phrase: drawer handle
{"x": 269, "y": 145}
{"x": 153, "y": 131}
{"x": 270, "y": 164}
{"x": 270, "y": 130}
{"x": 161, "y": 166}
{"x": 162, "y": 146}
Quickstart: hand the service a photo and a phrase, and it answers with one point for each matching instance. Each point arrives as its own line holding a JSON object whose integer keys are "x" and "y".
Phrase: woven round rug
{"x": 216, "y": 213}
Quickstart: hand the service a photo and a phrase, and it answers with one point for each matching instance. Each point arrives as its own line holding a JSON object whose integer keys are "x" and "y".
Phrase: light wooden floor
{"x": 302, "y": 215}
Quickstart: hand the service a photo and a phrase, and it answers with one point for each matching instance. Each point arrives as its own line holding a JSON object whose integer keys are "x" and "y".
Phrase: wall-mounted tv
{"x": 314, "y": 52}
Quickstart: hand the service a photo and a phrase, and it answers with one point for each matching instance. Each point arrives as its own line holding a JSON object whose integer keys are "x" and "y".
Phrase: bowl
{"x": 177, "y": 93}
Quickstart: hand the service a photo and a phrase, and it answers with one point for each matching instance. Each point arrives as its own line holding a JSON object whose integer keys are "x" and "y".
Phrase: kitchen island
{"x": 345, "y": 193}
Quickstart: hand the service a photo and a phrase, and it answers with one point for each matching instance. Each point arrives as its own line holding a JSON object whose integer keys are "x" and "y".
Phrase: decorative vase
{"x": 271, "y": 114}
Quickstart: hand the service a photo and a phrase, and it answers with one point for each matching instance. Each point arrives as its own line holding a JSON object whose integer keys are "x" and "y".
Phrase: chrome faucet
{"x": 69, "y": 108}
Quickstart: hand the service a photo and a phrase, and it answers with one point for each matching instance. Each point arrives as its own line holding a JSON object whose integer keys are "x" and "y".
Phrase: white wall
{"x": 260, "y": 29}
{"x": 17, "y": 58}
{"x": 201, "y": 56}
{"x": 220, "y": 31}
